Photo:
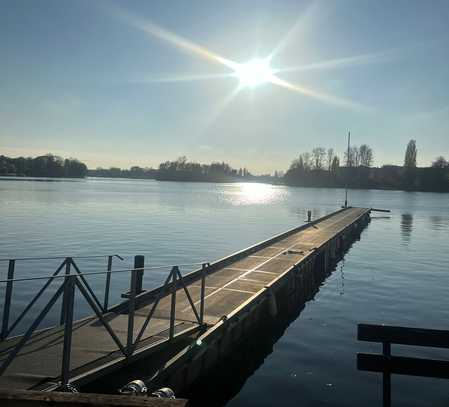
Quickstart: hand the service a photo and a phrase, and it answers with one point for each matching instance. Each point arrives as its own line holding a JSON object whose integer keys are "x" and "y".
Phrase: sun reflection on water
{"x": 254, "y": 193}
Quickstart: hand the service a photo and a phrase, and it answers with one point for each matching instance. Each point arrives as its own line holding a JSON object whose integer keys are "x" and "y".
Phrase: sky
{"x": 122, "y": 83}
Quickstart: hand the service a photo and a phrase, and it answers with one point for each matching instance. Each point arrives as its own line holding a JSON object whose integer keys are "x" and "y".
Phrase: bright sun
{"x": 254, "y": 73}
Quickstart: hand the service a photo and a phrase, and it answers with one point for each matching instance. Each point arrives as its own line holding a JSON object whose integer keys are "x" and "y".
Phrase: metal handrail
{"x": 66, "y": 290}
{"x": 6, "y": 328}
{"x": 99, "y": 256}
{"x": 93, "y": 273}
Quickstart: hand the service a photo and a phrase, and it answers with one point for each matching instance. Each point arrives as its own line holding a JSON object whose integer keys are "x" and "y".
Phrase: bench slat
{"x": 404, "y": 336}
{"x": 403, "y": 365}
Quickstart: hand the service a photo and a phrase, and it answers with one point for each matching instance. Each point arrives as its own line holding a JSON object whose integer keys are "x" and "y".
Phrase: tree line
{"x": 321, "y": 168}
{"x": 321, "y": 159}
{"x": 48, "y": 165}
{"x": 184, "y": 170}
{"x": 134, "y": 172}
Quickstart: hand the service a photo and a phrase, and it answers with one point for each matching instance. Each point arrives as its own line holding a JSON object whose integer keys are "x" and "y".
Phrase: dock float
{"x": 179, "y": 330}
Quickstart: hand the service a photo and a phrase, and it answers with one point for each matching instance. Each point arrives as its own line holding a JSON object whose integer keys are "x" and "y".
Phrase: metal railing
{"x": 67, "y": 264}
{"x": 71, "y": 281}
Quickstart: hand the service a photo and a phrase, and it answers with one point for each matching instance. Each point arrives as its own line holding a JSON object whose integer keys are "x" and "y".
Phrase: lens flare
{"x": 254, "y": 73}
{"x": 250, "y": 74}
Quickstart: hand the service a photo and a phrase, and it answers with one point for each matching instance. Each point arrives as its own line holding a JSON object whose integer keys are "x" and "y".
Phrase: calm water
{"x": 398, "y": 273}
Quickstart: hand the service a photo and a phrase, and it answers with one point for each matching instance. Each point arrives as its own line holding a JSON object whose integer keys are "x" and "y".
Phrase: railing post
{"x": 68, "y": 263}
{"x": 175, "y": 271}
{"x": 8, "y": 296}
{"x": 203, "y": 291}
{"x": 68, "y": 301}
{"x": 107, "y": 285}
{"x": 386, "y": 348}
{"x": 131, "y": 311}
{"x": 139, "y": 264}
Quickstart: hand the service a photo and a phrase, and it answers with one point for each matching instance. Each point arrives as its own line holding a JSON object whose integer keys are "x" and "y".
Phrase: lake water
{"x": 398, "y": 273}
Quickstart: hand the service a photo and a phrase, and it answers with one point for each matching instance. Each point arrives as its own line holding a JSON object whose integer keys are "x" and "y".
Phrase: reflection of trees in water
{"x": 406, "y": 227}
{"x": 439, "y": 222}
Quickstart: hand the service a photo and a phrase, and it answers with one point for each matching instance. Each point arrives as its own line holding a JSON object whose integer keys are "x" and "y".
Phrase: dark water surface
{"x": 398, "y": 273}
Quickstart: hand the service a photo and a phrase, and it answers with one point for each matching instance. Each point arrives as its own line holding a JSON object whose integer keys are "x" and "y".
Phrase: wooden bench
{"x": 387, "y": 364}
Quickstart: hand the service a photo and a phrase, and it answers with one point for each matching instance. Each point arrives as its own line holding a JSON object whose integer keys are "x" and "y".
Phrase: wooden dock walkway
{"x": 162, "y": 325}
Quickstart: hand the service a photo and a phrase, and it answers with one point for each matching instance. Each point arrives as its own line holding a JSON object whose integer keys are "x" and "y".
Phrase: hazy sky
{"x": 120, "y": 83}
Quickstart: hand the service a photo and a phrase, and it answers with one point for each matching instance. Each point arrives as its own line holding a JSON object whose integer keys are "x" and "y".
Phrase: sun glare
{"x": 251, "y": 74}
{"x": 254, "y": 73}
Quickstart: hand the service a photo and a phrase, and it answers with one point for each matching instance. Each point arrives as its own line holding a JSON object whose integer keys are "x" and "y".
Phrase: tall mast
{"x": 347, "y": 166}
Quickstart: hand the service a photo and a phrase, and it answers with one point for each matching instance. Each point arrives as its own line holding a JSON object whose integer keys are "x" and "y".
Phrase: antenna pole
{"x": 347, "y": 166}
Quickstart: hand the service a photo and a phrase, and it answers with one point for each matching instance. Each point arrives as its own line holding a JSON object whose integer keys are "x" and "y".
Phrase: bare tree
{"x": 330, "y": 157}
{"x": 366, "y": 155}
{"x": 440, "y": 162}
{"x": 335, "y": 165}
{"x": 356, "y": 155}
{"x": 318, "y": 154}
{"x": 349, "y": 158}
{"x": 307, "y": 161}
{"x": 353, "y": 159}
{"x": 410, "y": 154}
{"x": 297, "y": 164}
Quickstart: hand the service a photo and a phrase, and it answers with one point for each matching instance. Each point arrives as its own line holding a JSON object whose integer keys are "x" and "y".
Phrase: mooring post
{"x": 386, "y": 347}
{"x": 174, "y": 273}
{"x": 203, "y": 291}
{"x": 8, "y": 296}
{"x": 309, "y": 216}
{"x": 107, "y": 285}
{"x": 68, "y": 263}
{"x": 131, "y": 310}
{"x": 68, "y": 301}
{"x": 139, "y": 264}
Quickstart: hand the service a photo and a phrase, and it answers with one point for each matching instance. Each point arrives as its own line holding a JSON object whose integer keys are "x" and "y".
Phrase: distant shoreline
{"x": 40, "y": 179}
{"x": 246, "y": 181}
{"x": 303, "y": 172}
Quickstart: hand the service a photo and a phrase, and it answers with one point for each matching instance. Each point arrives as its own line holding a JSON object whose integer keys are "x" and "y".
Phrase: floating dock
{"x": 180, "y": 329}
